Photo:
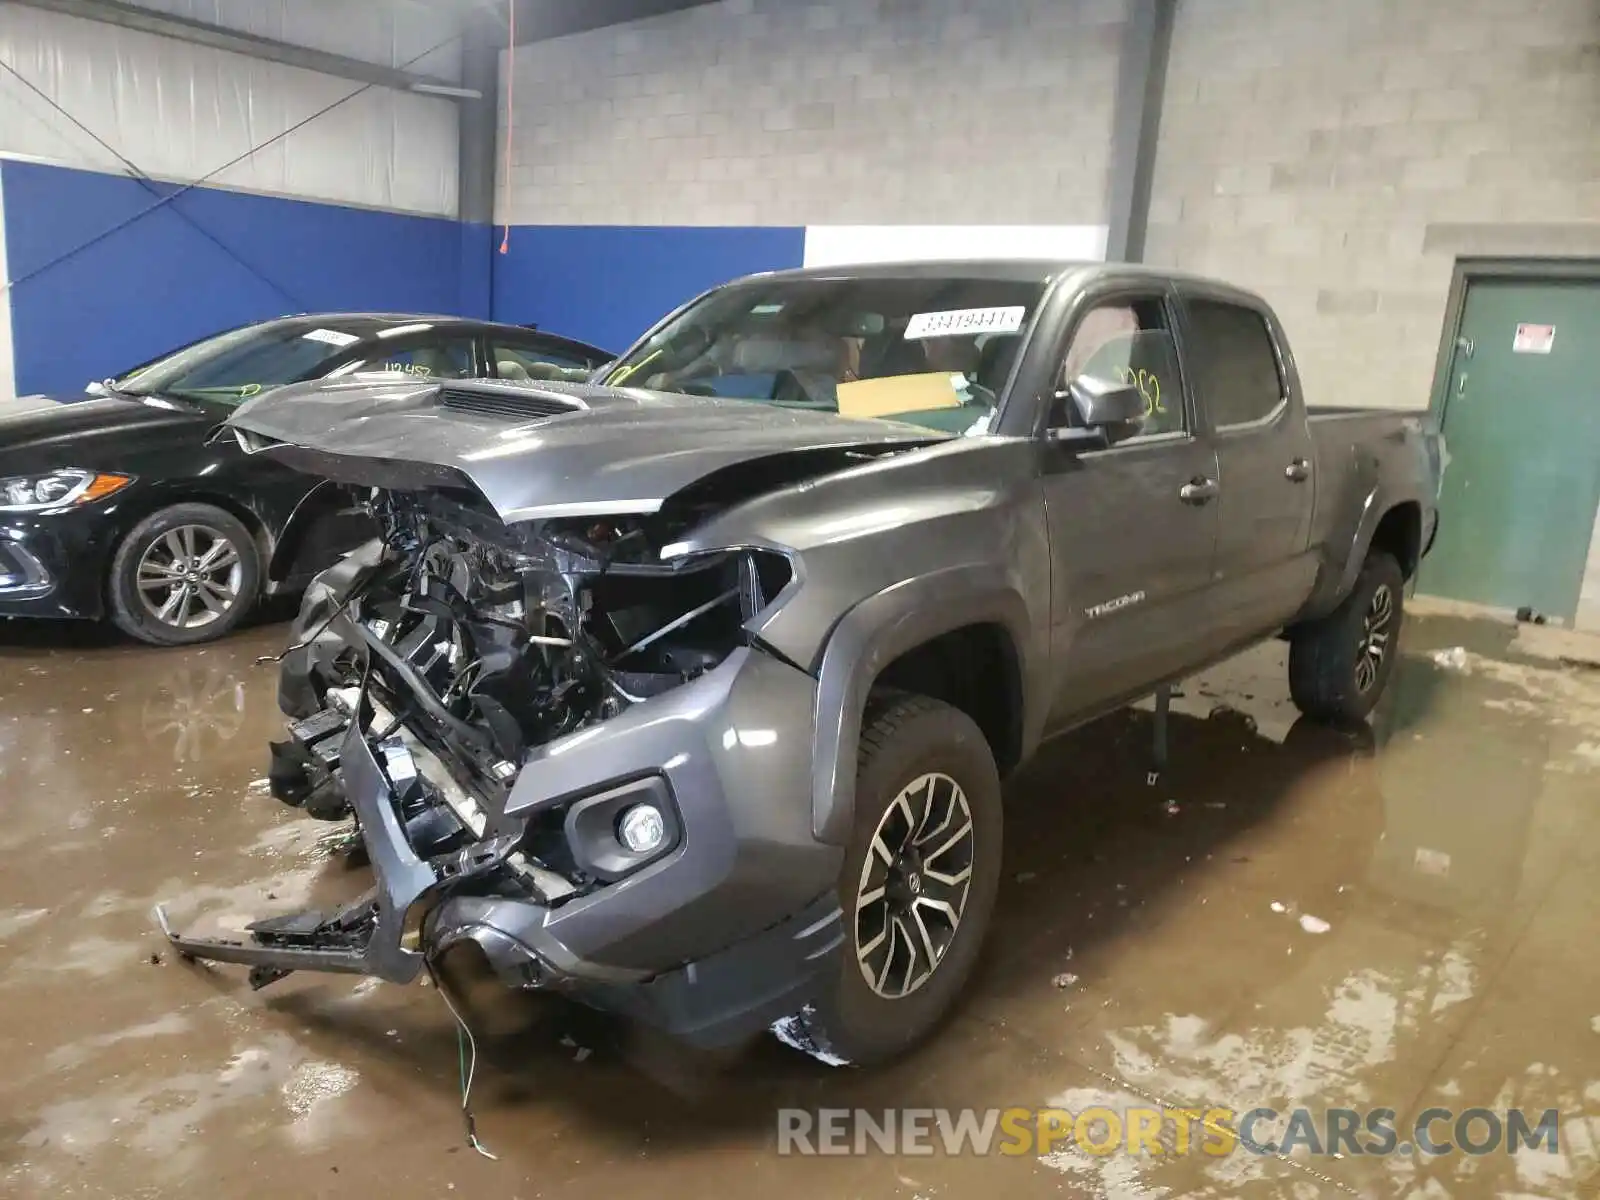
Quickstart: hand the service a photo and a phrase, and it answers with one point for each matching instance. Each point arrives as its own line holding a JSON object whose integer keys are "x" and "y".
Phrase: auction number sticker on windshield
{"x": 959, "y": 322}
{"x": 331, "y": 336}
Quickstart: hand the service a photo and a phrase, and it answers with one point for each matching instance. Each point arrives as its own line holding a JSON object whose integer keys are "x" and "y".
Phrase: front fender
{"x": 872, "y": 635}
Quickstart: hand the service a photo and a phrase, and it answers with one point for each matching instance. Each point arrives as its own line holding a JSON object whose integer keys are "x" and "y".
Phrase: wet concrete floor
{"x": 1287, "y": 916}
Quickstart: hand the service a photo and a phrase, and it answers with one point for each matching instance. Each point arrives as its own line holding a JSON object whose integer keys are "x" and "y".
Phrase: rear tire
{"x": 927, "y": 795}
{"x": 1340, "y": 663}
{"x": 184, "y": 575}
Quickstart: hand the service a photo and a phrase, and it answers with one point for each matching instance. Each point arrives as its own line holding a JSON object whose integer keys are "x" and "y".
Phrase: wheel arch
{"x": 1399, "y": 532}
{"x": 1387, "y": 522}
{"x": 916, "y": 635}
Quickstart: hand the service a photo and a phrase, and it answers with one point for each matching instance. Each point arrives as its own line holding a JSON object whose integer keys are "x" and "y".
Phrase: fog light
{"x": 642, "y": 828}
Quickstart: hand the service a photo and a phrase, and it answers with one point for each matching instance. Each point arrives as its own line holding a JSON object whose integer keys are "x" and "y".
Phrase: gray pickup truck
{"x": 687, "y": 692}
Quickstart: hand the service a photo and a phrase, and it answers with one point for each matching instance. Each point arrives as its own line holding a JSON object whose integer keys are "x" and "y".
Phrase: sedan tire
{"x": 184, "y": 575}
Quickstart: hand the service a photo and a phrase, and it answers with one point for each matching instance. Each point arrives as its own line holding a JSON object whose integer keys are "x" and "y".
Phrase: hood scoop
{"x": 509, "y": 401}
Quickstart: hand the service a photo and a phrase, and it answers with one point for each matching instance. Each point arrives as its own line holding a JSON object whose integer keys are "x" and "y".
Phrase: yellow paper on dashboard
{"x": 898, "y": 394}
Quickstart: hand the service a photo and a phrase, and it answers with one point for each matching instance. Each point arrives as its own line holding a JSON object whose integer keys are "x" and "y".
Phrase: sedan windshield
{"x": 935, "y": 352}
{"x": 234, "y": 365}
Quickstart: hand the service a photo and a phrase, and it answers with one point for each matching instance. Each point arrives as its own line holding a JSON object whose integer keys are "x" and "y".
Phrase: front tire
{"x": 918, "y": 884}
{"x": 185, "y": 574}
{"x": 1340, "y": 664}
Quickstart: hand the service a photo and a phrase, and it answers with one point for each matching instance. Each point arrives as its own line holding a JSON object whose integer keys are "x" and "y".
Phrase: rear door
{"x": 1133, "y": 525}
{"x": 1266, "y": 463}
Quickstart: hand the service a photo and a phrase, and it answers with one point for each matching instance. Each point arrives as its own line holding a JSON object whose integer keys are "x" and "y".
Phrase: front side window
{"x": 935, "y": 352}
{"x": 1127, "y": 341}
{"x": 1235, "y": 366}
{"x": 240, "y": 363}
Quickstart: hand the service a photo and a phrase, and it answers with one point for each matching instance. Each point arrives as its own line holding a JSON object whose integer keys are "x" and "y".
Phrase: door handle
{"x": 1298, "y": 471}
{"x": 1198, "y": 490}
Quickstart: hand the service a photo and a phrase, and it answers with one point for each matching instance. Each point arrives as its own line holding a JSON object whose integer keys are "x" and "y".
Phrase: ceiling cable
{"x": 209, "y": 175}
{"x": 148, "y": 182}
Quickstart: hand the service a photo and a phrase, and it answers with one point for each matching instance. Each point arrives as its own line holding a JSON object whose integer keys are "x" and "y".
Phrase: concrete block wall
{"x": 782, "y": 112}
{"x": 1339, "y": 157}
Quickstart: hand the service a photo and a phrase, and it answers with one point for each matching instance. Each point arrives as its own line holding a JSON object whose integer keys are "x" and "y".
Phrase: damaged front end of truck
{"x": 547, "y": 708}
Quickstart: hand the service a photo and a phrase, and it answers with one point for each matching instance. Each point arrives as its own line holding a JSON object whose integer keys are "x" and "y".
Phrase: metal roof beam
{"x": 1136, "y": 125}
{"x": 539, "y": 20}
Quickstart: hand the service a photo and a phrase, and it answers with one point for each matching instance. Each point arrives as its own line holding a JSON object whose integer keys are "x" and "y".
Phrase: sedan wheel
{"x": 190, "y": 577}
{"x": 185, "y": 574}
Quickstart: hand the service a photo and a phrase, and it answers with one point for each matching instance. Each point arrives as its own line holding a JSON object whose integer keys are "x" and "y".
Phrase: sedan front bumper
{"x": 53, "y": 566}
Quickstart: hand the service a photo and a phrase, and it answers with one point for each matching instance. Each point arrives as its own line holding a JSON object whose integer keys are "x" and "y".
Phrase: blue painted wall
{"x": 607, "y": 284}
{"x": 208, "y": 260}
{"x": 101, "y": 280}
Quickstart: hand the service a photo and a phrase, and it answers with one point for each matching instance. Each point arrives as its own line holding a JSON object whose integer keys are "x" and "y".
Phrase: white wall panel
{"x": 180, "y": 111}
{"x": 390, "y": 32}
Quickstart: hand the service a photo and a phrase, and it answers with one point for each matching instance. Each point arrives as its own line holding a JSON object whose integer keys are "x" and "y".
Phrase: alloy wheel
{"x": 1375, "y": 630}
{"x": 189, "y": 577}
{"x": 914, "y": 885}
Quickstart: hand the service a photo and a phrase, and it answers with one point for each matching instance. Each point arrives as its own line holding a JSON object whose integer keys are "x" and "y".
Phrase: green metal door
{"x": 1522, "y": 430}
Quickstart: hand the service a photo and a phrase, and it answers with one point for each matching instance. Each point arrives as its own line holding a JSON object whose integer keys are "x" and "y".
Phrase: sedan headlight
{"x": 62, "y": 488}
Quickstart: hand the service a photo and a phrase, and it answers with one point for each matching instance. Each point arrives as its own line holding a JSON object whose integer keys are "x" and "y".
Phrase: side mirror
{"x": 1107, "y": 411}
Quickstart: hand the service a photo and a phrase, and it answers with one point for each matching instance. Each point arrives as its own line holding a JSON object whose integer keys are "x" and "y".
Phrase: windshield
{"x": 932, "y": 352}
{"x": 234, "y": 365}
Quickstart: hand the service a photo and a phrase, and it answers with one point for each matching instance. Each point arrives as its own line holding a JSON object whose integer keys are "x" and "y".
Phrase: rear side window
{"x": 534, "y": 360}
{"x": 1235, "y": 368}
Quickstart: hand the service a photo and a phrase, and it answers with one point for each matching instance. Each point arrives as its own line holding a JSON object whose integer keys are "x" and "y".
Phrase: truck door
{"x": 1133, "y": 525}
{"x": 1257, "y": 423}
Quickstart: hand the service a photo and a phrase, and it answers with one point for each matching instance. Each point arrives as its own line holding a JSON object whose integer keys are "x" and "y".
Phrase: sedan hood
{"x": 537, "y": 451}
{"x": 43, "y": 432}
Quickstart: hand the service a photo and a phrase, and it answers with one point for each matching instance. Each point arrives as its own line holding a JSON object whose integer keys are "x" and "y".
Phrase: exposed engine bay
{"x": 483, "y": 641}
{"x": 530, "y": 632}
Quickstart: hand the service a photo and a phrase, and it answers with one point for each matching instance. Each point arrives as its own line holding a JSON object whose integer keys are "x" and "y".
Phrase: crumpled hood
{"x": 536, "y": 451}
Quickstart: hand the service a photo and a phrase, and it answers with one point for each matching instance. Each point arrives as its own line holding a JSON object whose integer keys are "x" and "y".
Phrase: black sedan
{"x": 119, "y": 503}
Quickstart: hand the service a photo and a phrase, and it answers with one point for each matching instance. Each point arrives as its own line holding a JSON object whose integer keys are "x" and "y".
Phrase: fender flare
{"x": 1332, "y": 589}
{"x": 868, "y": 638}
{"x": 1373, "y": 509}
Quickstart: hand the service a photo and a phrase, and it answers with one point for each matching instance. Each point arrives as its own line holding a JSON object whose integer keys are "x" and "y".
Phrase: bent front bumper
{"x": 714, "y": 940}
